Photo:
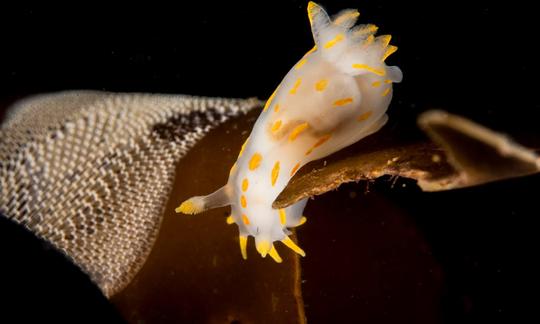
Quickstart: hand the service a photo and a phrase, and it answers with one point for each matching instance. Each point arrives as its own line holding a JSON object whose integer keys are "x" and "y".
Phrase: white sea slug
{"x": 334, "y": 96}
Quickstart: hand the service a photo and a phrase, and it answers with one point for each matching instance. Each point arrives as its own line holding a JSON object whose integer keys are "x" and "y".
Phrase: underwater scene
{"x": 269, "y": 162}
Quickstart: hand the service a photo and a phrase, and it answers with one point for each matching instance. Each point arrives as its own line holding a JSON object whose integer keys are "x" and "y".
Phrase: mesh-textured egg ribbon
{"x": 91, "y": 172}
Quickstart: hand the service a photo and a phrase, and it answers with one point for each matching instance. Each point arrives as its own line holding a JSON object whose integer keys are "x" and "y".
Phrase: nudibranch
{"x": 336, "y": 94}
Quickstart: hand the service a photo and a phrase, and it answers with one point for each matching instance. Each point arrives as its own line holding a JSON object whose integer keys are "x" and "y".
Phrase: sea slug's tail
{"x": 198, "y": 204}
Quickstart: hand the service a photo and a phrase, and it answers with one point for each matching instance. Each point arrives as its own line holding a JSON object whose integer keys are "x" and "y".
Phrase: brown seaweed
{"x": 464, "y": 154}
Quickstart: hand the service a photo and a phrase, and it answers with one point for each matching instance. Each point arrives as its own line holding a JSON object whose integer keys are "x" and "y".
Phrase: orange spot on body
{"x": 296, "y": 167}
{"x": 275, "y": 173}
{"x": 245, "y": 184}
{"x": 320, "y": 142}
{"x": 276, "y": 125}
{"x": 364, "y": 116}
{"x": 255, "y": 161}
{"x": 334, "y": 41}
{"x": 321, "y": 85}
{"x": 296, "y": 86}
{"x": 376, "y": 84}
{"x": 386, "y": 92}
{"x": 343, "y": 102}
{"x": 243, "y": 201}
{"x": 276, "y": 108}
{"x": 298, "y": 130}
{"x": 371, "y": 69}
{"x": 245, "y": 219}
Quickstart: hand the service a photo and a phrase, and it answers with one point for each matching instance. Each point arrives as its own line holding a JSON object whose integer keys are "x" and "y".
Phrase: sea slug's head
{"x": 353, "y": 49}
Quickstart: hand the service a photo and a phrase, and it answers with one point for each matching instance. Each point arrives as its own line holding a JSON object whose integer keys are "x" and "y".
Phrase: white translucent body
{"x": 337, "y": 94}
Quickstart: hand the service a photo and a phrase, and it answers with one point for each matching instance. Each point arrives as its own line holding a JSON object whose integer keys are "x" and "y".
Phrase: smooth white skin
{"x": 316, "y": 108}
{"x": 351, "y": 61}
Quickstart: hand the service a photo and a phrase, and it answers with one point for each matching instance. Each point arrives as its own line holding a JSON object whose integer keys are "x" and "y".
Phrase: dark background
{"x": 477, "y": 59}
{"x": 472, "y": 57}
